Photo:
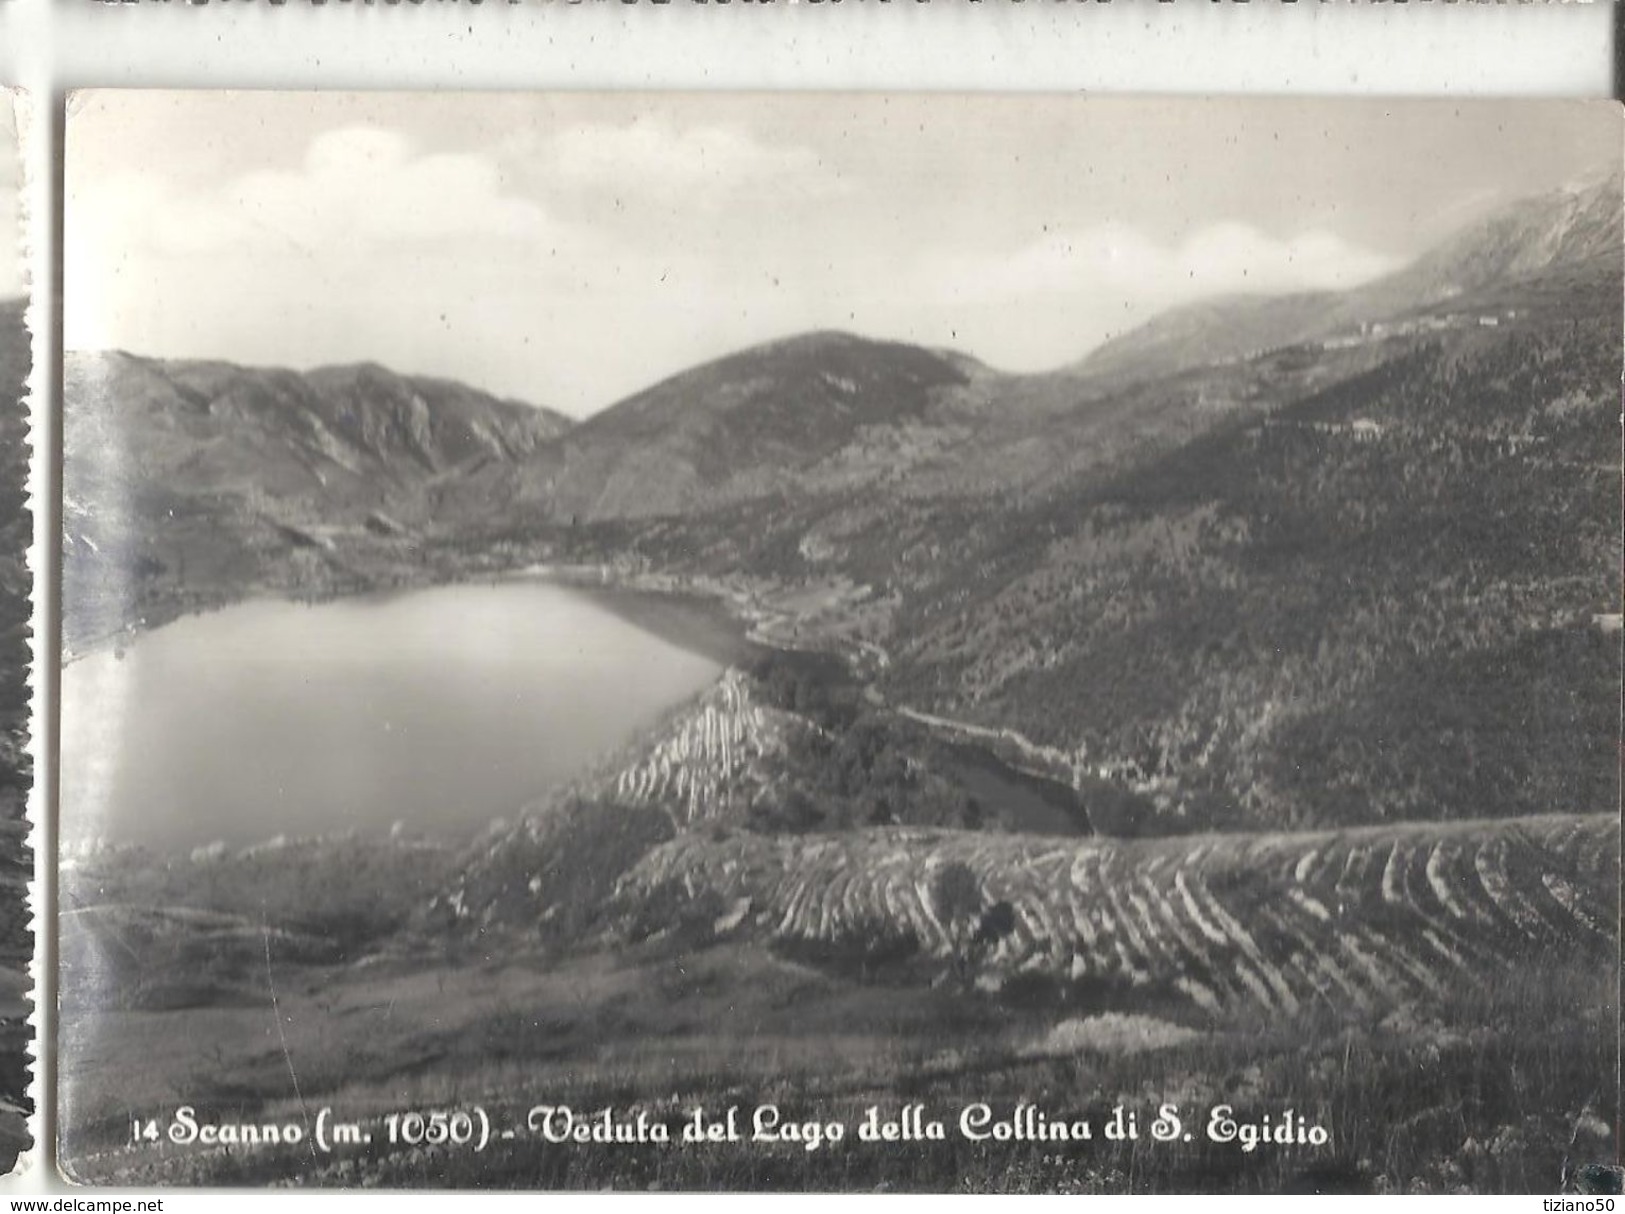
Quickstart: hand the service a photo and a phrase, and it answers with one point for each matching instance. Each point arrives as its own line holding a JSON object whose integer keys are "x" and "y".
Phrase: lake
{"x": 439, "y": 709}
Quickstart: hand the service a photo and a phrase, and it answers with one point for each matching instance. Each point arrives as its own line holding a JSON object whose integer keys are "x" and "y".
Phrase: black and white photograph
{"x": 16, "y": 767}
{"x": 838, "y": 642}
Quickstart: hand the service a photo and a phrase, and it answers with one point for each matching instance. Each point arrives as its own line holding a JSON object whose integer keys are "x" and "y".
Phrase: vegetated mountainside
{"x": 203, "y": 478}
{"x": 1354, "y": 578}
{"x": 733, "y": 429}
{"x": 322, "y": 441}
{"x": 1361, "y": 578}
{"x": 1383, "y": 601}
{"x": 1214, "y": 330}
{"x": 1522, "y": 240}
{"x": 787, "y": 430}
{"x": 1567, "y": 226}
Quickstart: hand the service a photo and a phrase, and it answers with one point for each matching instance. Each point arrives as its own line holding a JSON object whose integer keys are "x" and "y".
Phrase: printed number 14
{"x": 143, "y": 1131}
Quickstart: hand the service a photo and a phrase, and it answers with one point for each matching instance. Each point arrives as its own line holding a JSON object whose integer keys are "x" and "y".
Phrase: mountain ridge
{"x": 354, "y": 416}
{"x": 730, "y": 428}
{"x": 1521, "y": 239}
{"x": 1130, "y": 570}
{"x": 184, "y": 478}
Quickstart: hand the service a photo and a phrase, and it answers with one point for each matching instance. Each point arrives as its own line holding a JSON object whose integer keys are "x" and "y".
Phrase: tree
{"x": 973, "y": 929}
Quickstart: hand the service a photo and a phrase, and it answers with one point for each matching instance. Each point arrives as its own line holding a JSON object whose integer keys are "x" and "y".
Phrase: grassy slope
{"x": 1438, "y": 996}
{"x": 1482, "y": 1092}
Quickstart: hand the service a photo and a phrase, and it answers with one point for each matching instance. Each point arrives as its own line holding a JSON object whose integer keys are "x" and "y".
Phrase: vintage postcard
{"x": 815, "y": 642}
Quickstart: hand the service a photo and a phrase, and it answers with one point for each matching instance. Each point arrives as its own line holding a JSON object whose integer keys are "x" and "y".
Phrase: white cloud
{"x": 357, "y": 186}
{"x": 703, "y": 166}
{"x": 1241, "y": 257}
{"x": 442, "y": 263}
{"x": 324, "y": 250}
{"x": 1218, "y": 259}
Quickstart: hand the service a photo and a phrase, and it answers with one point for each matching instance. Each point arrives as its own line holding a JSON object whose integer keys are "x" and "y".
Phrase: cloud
{"x": 642, "y": 262}
{"x": 358, "y": 186}
{"x": 311, "y": 262}
{"x": 649, "y": 159}
{"x": 1217, "y": 259}
{"x": 1237, "y": 257}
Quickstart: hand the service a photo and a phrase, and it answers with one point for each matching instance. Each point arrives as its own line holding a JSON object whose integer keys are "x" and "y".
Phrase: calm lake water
{"x": 440, "y": 709}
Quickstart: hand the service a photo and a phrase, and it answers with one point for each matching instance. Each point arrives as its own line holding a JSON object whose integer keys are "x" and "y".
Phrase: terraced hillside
{"x": 709, "y": 762}
{"x": 1361, "y": 918}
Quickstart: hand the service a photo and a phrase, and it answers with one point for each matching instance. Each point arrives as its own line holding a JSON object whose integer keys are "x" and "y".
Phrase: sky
{"x": 11, "y": 259}
{"x": 570, "y": 249}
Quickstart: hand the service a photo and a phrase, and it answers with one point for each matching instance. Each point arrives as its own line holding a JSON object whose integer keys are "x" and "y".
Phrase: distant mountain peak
{"x": 736, "y": 427}
{"x": 814, "y": 339}
{"x": 330, "y": 444}
{"x": 1571, "y": 225}
{"x": 1601, "y": 178}
{"x": 843, "y": 341}
{"x": 364, "y": 370}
